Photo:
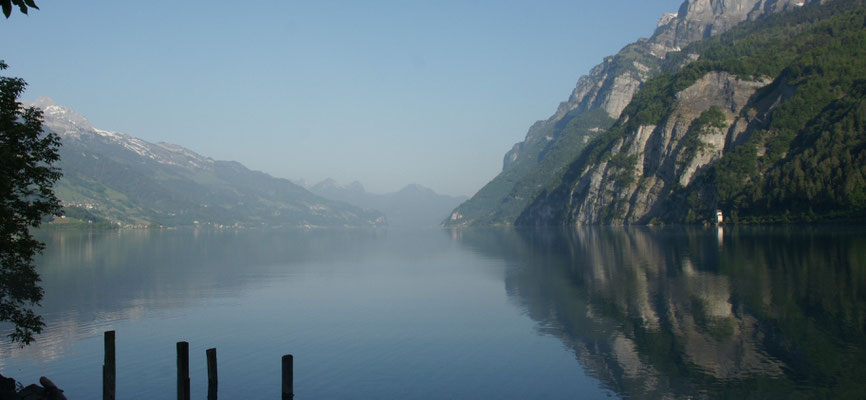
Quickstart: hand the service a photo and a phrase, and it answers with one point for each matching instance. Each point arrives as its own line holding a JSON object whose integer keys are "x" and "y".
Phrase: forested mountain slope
{"x": 767, "y": 125}
{"x": 596, "y": 102}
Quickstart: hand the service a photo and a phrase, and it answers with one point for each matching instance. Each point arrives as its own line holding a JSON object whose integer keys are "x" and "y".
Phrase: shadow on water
{"x": 693, "y": 312}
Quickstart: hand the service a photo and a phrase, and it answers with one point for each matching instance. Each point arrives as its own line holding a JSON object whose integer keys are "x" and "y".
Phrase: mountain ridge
{"x": 766, "y": 126}
{"x": 595, "y": 103}
{"x": 127, "y": 181}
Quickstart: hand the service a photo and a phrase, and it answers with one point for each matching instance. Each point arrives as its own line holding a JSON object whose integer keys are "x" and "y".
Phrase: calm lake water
{"x": 471, "y": 314}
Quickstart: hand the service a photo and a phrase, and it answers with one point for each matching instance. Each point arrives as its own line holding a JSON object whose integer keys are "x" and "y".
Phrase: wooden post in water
{"x": 288, "y": 380}
{"x": 212, "y": 380}
{"x": 109, "y": 368}
{"x": 183, "y": 371}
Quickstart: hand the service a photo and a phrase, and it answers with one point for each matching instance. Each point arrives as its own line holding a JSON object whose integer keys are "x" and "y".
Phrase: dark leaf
{"x": 31, "y": 3}
{"x": 21, "y": 5}
{"x": 7, "y": 8}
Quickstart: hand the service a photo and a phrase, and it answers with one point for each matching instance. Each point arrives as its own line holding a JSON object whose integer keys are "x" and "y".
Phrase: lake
{"x": 596, "y": 312}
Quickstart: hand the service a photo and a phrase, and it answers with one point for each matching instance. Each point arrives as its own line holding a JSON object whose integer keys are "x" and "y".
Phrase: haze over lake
{"x": 582, "y": 313}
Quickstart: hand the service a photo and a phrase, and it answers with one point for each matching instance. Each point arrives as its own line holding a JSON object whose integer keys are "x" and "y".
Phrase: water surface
{"x": 577, "y": 313}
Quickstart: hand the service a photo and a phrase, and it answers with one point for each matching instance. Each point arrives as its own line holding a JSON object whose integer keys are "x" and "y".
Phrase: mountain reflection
{"x": 693, "y": 312}
{"x": 176, "y": 266}
{"x": 95, "y": 278}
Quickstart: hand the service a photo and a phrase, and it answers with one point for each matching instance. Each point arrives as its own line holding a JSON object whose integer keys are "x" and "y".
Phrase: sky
{"x": 386, "y": 93}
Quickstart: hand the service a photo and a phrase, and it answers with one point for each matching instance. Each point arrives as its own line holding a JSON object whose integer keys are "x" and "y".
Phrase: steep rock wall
{"x": 646, "y": 165}
{"x": 610, "y": 87}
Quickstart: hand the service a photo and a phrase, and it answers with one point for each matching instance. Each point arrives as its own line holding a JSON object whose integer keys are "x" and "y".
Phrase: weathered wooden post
{"x": 288, "y": 380}
{"x": 212, "y": 380}
{"x": 109, "y": 371}
{"x": 183, "y": 371}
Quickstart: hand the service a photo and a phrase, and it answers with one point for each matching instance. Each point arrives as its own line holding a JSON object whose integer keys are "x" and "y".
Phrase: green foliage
{"x": 22, "y": 5}
{"x": 825, "y": 174}
{"x": 119, "y": 185}
{"x": 80, "y": 217}
{"x": 713, "y": 118}
{"x": 811, "y": 167}
{"x": 805, "y": 162}
{"x": 26, "y": 197}
{"x": 654, "y": 101}
{"x": 781, "y": 42}
{"x": 815, "y": 56}
{"x": 623, "y": 166}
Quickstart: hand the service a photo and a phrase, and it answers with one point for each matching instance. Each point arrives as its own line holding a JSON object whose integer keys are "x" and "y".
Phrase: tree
{"x": 27, "y": 176}
{"x": 21, "y": 4}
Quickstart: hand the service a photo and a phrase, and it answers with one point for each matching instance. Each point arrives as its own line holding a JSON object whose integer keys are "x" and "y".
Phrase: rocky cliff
{"x": 597, "y": 100}
{"x": 734, "y": 130}
{"x": 643, "y": 167}
{"x": 611, "y": 84}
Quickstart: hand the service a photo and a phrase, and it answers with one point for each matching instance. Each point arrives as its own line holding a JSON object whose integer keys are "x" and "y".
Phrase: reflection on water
{"x": 642, "y": 312}
{"x": 367, "y": 314}
{"x": 693, "y": 312}
{"x": 115, "y": 275}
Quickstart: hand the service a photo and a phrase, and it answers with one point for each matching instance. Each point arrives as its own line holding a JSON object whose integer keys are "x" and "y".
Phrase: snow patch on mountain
{"x": 70, "y": 125}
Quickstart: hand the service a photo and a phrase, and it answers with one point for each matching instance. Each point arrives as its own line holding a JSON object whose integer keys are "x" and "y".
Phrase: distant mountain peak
{"x": 326, "y": 184}
{"x": 44, "y": 102}
{"x": 61, "y": 119}
{"x": 330, "y": 184}
{"x": 416, "y": 188}
{"x": 71, "y": 125}
{"x": 667, "y": 18}
{"x": 356, "y": 187}
{"x": 412, "y": 206}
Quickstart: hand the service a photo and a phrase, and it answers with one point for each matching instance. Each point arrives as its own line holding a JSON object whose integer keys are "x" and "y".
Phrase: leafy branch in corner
{"x": 22, "y": 5}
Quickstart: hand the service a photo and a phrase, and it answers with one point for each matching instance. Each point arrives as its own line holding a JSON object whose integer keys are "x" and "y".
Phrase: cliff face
{"x": 611, "y": 84}
{"x": 766, "y": 125}
{"x": 647, "y": 165}
{"x": 597, "y": 100}
{"x": 701, "y": 19}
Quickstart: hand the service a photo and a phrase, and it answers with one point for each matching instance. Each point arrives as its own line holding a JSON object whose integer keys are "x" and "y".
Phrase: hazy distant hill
{"x": 128, "y": 181}
{"x": 412, "y": 206}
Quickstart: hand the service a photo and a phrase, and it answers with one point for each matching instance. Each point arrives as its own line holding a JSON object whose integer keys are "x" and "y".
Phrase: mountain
{"x": 412, "y": 206}
{"x": 597, "y": 101}
{"x": 109, "y": 176}
{"x": 767, "y": 124}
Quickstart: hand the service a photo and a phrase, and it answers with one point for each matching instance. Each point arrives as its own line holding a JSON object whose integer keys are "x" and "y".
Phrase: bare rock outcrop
{"x": 609, "y": 86}
{"x": 647, "y": 164}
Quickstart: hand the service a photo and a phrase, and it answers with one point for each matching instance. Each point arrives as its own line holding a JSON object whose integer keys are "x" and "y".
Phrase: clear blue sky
{"x": 384, "y": 92}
